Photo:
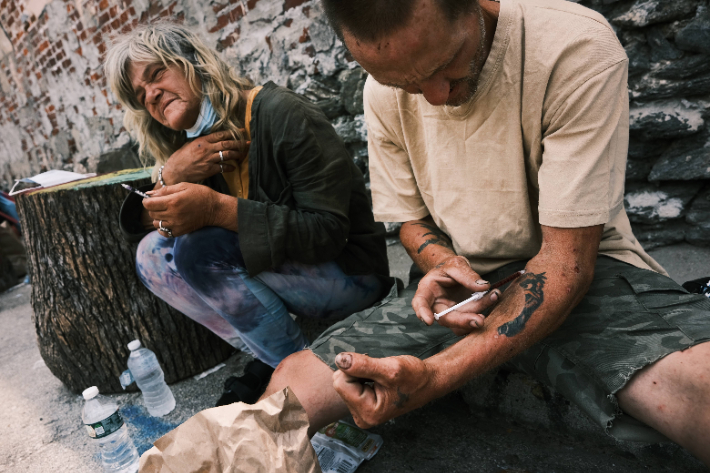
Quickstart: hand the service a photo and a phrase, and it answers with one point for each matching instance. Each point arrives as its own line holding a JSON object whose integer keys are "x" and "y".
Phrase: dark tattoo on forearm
{"x": 437, "y": 237}
{"x": 532, "y": 284}
{"x": 403, "y": 399}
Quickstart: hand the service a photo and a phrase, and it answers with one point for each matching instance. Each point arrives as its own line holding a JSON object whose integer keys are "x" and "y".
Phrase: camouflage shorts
{"x": 629, "y": 318}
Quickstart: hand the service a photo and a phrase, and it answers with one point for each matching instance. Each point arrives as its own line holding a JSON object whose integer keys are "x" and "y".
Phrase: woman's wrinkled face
{"x": 165, "y": 93}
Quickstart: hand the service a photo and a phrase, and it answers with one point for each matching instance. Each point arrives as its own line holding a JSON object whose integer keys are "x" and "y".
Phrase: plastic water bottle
{"x": 105, "y": 425}
{"x": 146, "y": 371}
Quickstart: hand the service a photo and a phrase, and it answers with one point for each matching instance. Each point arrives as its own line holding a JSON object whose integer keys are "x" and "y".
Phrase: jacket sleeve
{"x": 309, "y": 223}
{"x": 129, "y": 219}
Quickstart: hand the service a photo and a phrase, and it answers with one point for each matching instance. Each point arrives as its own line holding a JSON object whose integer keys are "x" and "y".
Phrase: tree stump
{"x": 87, "y": 299}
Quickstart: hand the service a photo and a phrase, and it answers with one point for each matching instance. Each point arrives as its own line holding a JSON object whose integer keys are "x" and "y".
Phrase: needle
{"x": 477, "y": 296}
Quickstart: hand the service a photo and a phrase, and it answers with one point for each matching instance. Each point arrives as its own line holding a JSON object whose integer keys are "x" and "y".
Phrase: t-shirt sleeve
{"x": 585, "y": 142}
{"x": 395, "y": 196}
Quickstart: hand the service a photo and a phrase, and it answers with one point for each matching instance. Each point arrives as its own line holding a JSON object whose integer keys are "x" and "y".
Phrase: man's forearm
{"x": 426, "y": 243}
{"x": 533, "y": 307}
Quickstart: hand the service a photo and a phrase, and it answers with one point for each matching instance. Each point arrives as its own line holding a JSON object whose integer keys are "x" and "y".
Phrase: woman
{"x": 258, "y": 207}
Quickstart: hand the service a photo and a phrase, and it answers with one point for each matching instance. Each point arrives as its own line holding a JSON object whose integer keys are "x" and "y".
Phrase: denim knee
{"x": 153, "y": 254}
{"x": 200, "y": 253}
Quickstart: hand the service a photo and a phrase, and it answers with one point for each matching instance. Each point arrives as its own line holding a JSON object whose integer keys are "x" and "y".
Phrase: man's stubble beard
{"x": 476, "y": 65}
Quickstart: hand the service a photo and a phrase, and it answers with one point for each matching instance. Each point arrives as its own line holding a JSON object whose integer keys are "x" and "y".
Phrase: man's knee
{"x": 681, "y": 379}
{"x": 295, "y": 369}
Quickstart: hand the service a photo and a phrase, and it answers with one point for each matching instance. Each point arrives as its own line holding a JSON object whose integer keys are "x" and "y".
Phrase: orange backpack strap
{"x": 247, "y": 116}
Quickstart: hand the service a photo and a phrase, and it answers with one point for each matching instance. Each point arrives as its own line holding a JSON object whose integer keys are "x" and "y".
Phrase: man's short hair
{"x": 370, "y": 20}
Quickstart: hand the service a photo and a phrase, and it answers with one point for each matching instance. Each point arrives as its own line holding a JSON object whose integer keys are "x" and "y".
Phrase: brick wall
{"x": 57, "y": 113}
{"x": 56, "y": 110}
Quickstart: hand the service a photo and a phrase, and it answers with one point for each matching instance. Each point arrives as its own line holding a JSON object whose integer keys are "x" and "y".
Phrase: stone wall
{"x": 56, "y": 111}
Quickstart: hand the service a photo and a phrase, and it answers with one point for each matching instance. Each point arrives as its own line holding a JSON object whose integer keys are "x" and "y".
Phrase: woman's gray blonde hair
{"x": 172, "y": 44}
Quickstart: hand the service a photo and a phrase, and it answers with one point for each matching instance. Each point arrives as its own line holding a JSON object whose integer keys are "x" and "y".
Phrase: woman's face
{"x": 166, "y": 94}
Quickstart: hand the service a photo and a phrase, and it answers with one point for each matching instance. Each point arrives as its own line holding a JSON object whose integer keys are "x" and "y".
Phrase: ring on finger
{"x": 221, "y": 157}
{"x": 161, "y": 228}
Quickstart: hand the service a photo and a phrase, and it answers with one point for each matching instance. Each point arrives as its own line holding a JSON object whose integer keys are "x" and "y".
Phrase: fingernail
{"x": 150, "y": 192}
{"x": 344, "y": 361}
{"x": 474, "y": 323}
{"x": 494, "y": 296}
{"x": 481, "y": 281}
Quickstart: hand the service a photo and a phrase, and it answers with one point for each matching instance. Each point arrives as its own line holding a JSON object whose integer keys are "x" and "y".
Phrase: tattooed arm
{"x": 426, "y": 243}
{"x": 431, "y": 249}
{"x": 532, "y": 307}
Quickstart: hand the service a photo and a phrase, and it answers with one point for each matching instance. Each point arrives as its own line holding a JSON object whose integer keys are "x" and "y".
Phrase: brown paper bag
{"x": 269, "y": 436}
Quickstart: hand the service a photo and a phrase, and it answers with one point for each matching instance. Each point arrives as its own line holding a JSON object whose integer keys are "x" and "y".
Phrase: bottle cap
{"x": 134, "y": 345}
{"x": 90, "y": 393}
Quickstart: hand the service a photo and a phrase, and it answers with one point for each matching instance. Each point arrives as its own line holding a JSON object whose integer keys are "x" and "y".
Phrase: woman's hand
{"x": 199, "y": 159}
{"x": 185, "y": 207}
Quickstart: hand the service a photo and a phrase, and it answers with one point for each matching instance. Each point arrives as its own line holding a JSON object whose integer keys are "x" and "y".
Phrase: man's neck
{"x": 490, "y": 11}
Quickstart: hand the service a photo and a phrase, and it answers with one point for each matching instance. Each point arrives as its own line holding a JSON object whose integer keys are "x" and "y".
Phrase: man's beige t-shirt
{"x": 542, "y": 142}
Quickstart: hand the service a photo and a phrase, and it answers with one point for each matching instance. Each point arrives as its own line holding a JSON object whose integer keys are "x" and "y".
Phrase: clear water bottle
{"x": 146, "y": 371}
{"x": 104, "y": 424}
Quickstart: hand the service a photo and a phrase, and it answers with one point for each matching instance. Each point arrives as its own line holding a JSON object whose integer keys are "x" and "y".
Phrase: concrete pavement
{"x": 41, "y": 430}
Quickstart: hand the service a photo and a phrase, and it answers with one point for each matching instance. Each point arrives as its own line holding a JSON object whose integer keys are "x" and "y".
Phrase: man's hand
{"x": 449, "y": 283}
{"x": 376, "y": 390}
{"x": 185, "y": 207}
{"x": 199, "y": 159}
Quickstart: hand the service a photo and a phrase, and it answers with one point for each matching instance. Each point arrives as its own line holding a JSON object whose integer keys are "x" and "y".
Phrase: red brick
{"x": 103, "y": 19}
{"x": 154, "y": 8}
{"x": 304, "y": 37}
{"x": 124, "y": 17}
{"x": 38, "y": 75}
{"x": 66, "y": 63}
{"x": 97, "y": 39}
{"x": 222, "y": 21}
{"x": 311, "y": 51}
{"x": 251, "y": 4}
{"x": 288, "y": 4}
{"x": 113, "y": 11}
{"x": 116, "y": 24}
{"x": 43, "y": 46}
{"x": 103, "y": 5}
{"x": 288, "y": 22}
{"x": 236, "y": 14}
{"x": 78, "y": 51}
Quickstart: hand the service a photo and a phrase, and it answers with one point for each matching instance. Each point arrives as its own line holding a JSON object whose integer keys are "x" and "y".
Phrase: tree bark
{"x": 87, "y": 299}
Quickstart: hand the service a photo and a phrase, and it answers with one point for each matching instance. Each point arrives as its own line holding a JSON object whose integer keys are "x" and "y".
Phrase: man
{"x": 498, "y": 134}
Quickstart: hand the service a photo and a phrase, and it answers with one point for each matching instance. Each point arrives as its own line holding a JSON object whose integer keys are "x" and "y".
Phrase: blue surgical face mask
{"x": 205, "y": 120}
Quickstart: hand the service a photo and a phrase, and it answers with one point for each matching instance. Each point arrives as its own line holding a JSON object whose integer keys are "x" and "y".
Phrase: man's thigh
{"x": 389, "y": 328}
{"x": 629, "y": 319}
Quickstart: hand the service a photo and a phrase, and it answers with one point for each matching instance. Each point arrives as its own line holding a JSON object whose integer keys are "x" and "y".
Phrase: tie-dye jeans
{"x": 203, "y": 275}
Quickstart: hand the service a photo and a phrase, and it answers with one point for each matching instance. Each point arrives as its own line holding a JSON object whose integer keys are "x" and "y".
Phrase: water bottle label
{"x": 126, "y": 379}
{"x": 106, "y": 427}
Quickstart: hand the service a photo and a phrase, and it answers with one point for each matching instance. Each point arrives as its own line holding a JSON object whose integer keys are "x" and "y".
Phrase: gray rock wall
{"x": 57, "y": 112}
{"x": 668, "y": 172}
